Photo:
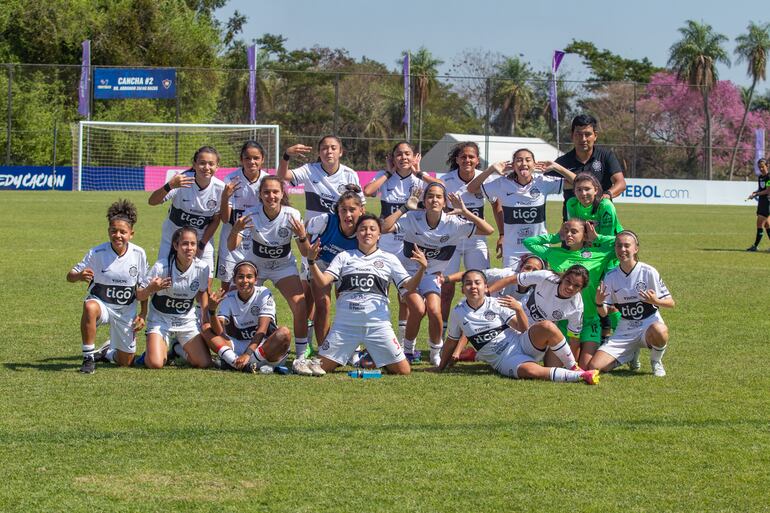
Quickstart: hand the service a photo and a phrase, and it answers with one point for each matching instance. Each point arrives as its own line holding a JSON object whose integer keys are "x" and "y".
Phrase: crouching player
{"x": 503, "y": 338}
{"x": 113, "y": 270}
{"x": 244, "y": 333}
{"x": 637, "y": 291}
{"x": 173, "y": 285}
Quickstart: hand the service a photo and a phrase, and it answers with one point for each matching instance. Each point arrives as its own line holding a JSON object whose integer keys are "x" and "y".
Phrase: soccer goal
{"x": 114, "y": 155}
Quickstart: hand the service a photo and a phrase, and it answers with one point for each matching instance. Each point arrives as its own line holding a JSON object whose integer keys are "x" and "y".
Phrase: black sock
{"x": 759, "y": 237}
{"x": 767, "y": 230}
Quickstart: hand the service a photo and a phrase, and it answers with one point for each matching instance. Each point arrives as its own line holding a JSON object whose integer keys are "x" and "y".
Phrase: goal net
{"x": 143, "y": 156}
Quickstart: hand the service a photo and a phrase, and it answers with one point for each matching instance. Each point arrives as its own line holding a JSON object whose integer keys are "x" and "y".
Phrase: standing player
{"x": 363, "y": 316}
{"x": 522, "y": 196}
{"x": 638, "y": 292}
{"x": 244, "y": 332}
{"x": 173, "y": 285}
{"x": 241, "y": 192}
{"x": 195, "y": 195}
{"x": 437, "y": 234}
{"x": 503, "y": 338}
{"x": 269, "y": 228}
{"x": 763, "y": 205}
{"x": 113, "y": 270}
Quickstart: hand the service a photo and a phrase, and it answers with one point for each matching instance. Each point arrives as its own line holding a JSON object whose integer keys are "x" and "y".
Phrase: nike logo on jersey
{"x": 185, "y": 200}
{"x": 105, "y": 270}
{"x": 316, "y": 182}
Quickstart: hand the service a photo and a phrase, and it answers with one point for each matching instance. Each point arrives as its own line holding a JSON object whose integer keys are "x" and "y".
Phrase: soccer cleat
{"x": 751, "y": 248}
{"x": 468, "y": 355}
{"x": 315, "y": 367}
{"x": 634, "y": 364}
{"x": 100, "y": 355}
{"x": 89, "y": 364}
{"x": 657, "y": 369}
{"x": 139, "y": 360}
{"x": 171, "y": 354}
{"x": 576, "y": 367}
{"x": 415, "y": 357}
{"x": 590, "y": 377}
{"x": 300, "y": 366}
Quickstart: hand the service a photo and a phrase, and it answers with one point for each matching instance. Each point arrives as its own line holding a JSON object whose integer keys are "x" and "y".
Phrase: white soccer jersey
{"x": 175, "y": 304}
{"x": 474, "y": 202}
{"x": 271, "y": 238}
{"x": 192, "y": 206}
{"x": 496, "y": 274}
{"x": 246, "y": 196}
{"x": 544, "y": 304}
{"x": 623, "y": 292}
{"x": 241, "y": 318}
{"x": 523, "y": 208}
{"x": 437, "y": 243}
{"x": 362, "y": 283}
{"x": 115, "y": 277}
{"x": 322, "y": 190}
{"x": 393, "y": 194}
{"x": 485, "y": 327}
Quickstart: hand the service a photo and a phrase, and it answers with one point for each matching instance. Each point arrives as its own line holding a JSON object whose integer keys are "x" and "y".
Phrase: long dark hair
{"x": 175, "y": 240}
{"x": 588, "y": 177}
{"x": 576, "y": 270}
{"x": 252, "y": 144}
{"x": 455, "y": 151}
{"x": 268, "y": 178}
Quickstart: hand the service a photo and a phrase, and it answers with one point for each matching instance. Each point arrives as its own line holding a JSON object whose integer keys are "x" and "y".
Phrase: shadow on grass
{"x": 465, "y": 368}
{"x": 730, "y": 250}
{"x": 57, "y": 364}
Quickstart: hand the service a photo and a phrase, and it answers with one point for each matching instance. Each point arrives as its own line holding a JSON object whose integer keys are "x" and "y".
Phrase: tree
{"x": 512, "y": 93}
{"x": 471, "y": 69}
{"x": 608, "y": 67}
{"x": 752, "y": 47}
{"x": 694, "y": 59}
{"x": 424, "y": 72}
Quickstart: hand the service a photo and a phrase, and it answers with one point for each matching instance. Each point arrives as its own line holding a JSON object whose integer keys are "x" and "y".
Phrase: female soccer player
{"x": 244, "y": 332}
{"x": 502, "y": 281}
{"x": 522, "y": 197}
{"x": 589, "y": 204}
{"x": 241, "y": 192}
{"x": 113, "y": 270}
{"x": 638, "y": 292}
{"x": 172, "y": 285}
{"x": 578, "y": 243}
{"x": 437, "y": 235}
{"x": 362, "y": 314}
{"x": 195, "y": 195}
{"x": 335, "y": 233}
{"x": 763, "y": 205}
{"x": 270, "y": 232}
{"x": 503, "y": 338}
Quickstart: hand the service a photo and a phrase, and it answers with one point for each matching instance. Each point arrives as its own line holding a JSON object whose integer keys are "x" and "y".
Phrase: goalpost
{"x": 115, "y": 155}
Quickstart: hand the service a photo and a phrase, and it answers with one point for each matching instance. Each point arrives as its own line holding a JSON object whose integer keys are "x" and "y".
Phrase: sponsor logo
{"x": 528, "y": 215}
{"x": 179, "y": 305}
{"x": 363, "y": 283}
{"x": 635, "y": 311}
{"x": 269, "y": 301}
{"x": 121, "y": 296}
{"x": 269, "y": 251}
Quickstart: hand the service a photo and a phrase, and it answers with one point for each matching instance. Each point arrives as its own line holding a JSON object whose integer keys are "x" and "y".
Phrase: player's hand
{"x": 601, "y": 293}
{"x": 315, "y": 250}
{"x": 458, "y": 205}
{"x": 241, "y": 361}
{"x": 299, "y": 150}
{"x": 298, "y": 228}
{"x": 419, "y": 257}
{"x": 242, "y": 223}
{"x": 180, "y": 180}
{"x": 416, "y": 163}
{"x": 499, "y": 246}
{"x": 509, "y": 302}
{"x": 590, "y": 232}
{"x": 649, "y": 296}
{"x": 159, "y": 283}
{"x": 390, "y": 166}
{"x": 502, "y": 167}
{"x": 215, "y": 298}
{"x": 230, "y": 188}
{"x": 87, "y": 275}
{"x": 139, "y": 323}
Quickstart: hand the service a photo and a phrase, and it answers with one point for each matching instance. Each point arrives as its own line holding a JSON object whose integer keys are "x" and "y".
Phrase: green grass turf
{"x": 188, "y": 440}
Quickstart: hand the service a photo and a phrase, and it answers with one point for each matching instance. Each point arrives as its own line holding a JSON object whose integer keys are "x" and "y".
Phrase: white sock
{"x": 563, "y": 352}
{"x": 408, "y": 346}
{"x": 111, "y": 354}
{"x": 300, "y": 345}
{"x": 656, "y": 353}
{"x": 88, "y": 349}
{"x": 565, "y": 375}
{"x": 401, "y": 330}
{"x": 437, "y": 346}
{"x": 227, "y": 354}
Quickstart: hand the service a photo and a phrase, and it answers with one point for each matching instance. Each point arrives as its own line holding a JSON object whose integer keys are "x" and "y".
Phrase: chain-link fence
{"x": 655, "y": 129}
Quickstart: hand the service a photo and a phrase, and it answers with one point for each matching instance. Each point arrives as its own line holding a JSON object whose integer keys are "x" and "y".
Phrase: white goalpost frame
{"x": 82, "y": 124}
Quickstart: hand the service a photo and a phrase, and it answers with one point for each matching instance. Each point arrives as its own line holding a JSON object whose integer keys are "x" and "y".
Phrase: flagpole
{"x": 556, "y": 101}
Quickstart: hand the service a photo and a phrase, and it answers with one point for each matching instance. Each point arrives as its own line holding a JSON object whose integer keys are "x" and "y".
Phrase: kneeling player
{"x": 113, "y": 271}
{"x": 244, "y": 333}
{"x": 174, "y": 284}
{"x": 637, "y": 291}
{"x": 503, "y": 339}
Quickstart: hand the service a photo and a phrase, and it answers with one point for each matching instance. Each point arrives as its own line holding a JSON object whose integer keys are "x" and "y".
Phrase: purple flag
{"x": 759, "y": 147}
{"x": 84, "y": 86}
{"x": 407, "y": 115}
{"x": 251, "y": 55}
{"x": 558, "y": 55}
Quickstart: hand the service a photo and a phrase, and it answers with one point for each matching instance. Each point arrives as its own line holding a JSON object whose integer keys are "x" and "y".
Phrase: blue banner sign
{"x": 122, "y": 83}
{"x": 35, "y": 178}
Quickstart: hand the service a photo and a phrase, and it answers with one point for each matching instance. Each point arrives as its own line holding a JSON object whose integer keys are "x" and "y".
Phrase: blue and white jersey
{"x": 115, "y": 277}
{"x": 523, "y": 208}
{"x": 437, "y": 243}
{"x": 322, "y": 190}
{"x": 192, "y": 206}
{"x": 623, "y": 292}
{"x": 475, "y": 202}
{"x": 362, "y": 282}
{"x": 241, "y": 318}
{"x": 175, "y": 304}
{"x": 485, "y": 327}
{"x": 326, "y": 228}
{"x": 544, "y": 304}
{"x": 271, "y": 238}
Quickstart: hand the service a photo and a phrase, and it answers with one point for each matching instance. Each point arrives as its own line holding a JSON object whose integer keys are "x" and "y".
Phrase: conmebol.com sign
{"x": 685, "y": 192}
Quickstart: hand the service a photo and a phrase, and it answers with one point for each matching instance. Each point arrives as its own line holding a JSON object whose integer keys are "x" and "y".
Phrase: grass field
{"x": 188, "y": 440}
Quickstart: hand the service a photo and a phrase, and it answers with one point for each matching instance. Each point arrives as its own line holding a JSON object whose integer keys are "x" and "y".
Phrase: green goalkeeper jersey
{"x": 605, "y": 218}
{"x": 596, "y": 258}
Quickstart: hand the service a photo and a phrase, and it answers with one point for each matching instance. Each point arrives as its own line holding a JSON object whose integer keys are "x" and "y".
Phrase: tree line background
{"x": 676, "y": 122}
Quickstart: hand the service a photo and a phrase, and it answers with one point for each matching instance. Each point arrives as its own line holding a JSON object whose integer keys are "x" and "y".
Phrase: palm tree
{"x": 752, "y": 47}
{"x": 423, "y": 69}
{"x": 694, "y": 59}
{"x": 512, "y": 93}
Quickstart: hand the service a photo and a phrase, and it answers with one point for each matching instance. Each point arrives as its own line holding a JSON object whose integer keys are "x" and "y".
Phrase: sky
{"x": 382, "y": 30}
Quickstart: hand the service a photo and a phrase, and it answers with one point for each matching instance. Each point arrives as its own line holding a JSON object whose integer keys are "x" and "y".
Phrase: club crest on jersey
{"x": 596, "y": 166}
{"x": 558, "y": 315}
{"x": 640, "y": 286}
{"x": 133, "y": 272}
{"x": 212, "y": 203}
{"x": 195, "y": 284}
{"x": 222, "y": 269}
{"x": 534, "y": 192}
{"x": 283, "y": 232}
{"x": 585, "y": 254}
{"x": 378, "y": 264}
{"x": 479, "y": 195}
{"x": 489, "y": 315}
{"x": 254, "y": 310}
{"x": 325, "y": 345}
{"x": 444, "y": 238}
{"x": 342, "y": 188}
{"x": 526, "y": 232}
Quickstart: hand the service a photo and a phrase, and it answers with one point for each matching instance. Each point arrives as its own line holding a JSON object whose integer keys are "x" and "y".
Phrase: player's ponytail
{"x": 122, "y": 210}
